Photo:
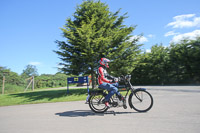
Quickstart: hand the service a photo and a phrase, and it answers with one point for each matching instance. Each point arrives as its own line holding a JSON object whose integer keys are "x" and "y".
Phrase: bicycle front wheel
{"x": 141, "y": 100}
{"x": 96, "y": 103}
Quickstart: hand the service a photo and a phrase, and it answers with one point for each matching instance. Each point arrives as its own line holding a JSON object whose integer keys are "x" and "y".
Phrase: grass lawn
{"x": 43, "y": 96}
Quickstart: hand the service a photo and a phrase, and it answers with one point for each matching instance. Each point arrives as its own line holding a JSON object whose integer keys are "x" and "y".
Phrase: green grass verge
{"x": 43, "y": 96}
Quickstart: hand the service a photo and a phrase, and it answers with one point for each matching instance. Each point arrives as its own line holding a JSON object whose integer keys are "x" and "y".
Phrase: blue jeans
{"x": 111, "y": 88}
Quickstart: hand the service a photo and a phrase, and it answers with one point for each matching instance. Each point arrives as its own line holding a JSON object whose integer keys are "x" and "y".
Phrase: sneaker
{"x": 107, "y": 104}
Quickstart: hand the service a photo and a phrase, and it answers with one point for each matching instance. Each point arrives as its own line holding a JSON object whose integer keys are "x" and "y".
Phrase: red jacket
{"x": 103, "y": 76}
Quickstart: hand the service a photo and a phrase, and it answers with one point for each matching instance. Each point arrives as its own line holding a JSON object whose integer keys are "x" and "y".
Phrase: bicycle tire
{"x": 96, "y": 104}
{"x": 141, "y": 100}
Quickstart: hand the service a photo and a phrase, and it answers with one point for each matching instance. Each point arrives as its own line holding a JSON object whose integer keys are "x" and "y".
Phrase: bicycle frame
{"x": 129, "y": 87}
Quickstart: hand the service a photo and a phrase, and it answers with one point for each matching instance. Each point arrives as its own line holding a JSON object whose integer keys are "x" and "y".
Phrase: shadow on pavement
{"x": 84, "y": 113}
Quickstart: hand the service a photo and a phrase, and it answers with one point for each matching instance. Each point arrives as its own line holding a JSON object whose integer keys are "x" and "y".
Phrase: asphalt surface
{"x": 176, "y": 110}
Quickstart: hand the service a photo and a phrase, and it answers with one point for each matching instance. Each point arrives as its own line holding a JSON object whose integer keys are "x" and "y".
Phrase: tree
{"x": 153, "y": 67}
{"x": 49, "y": 80}
{"x": 177, "y": 64}
{"x": 11, "y": 77}
{"x": 185, "y": 58}
{"x": 30, "y": 70}
{"x": 93, "y": 33}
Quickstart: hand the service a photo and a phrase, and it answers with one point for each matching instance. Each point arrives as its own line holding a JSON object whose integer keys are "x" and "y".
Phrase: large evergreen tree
{"x": 95, "y": 32}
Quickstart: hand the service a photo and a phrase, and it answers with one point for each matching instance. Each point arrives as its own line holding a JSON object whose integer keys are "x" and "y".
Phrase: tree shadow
{"x": 85, "y": 113}
{"x": 49, "y": 94}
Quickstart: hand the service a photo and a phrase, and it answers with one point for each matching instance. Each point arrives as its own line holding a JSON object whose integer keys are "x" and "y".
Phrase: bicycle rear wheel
{"x": 96, "y": 104}
{"x": 141, "y": 100}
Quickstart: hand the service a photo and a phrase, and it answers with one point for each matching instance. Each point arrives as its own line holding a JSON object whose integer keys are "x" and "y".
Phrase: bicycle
{"x": 139, "y": 99}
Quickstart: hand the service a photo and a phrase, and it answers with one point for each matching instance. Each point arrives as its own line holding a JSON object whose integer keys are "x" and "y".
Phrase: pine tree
{"x": 93, "y": 33}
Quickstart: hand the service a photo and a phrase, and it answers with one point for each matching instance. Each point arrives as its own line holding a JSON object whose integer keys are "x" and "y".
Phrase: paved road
{"x": 176, "y": 110}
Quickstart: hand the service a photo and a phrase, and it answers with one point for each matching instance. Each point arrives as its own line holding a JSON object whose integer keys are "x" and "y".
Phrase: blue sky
{"x": 29, "y": 28}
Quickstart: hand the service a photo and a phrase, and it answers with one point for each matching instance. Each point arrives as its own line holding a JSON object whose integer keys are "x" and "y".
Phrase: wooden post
{"x": 32, "y": 83}
{"x": 28, "y": 85}
{"x": 3, "y": 84}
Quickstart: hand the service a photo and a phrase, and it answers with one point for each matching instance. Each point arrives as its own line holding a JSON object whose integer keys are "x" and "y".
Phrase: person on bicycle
{"x": 107, "y": 81}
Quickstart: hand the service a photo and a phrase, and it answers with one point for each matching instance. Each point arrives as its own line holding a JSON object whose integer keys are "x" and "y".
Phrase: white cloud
{"x": 148, "y": 50}
{"x": 151, "y": 36}
{"x": 171, "y": 33}
{"x": 141, "y": 39}
{"x": 35, "y": 63}
{"x": 185, "y": 21}
{"x": 184, "y": 16}
{"x": 189, "y": 36}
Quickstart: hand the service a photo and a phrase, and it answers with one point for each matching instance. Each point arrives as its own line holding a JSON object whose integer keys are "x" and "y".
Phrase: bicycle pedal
{"x": 124, "y": 106}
